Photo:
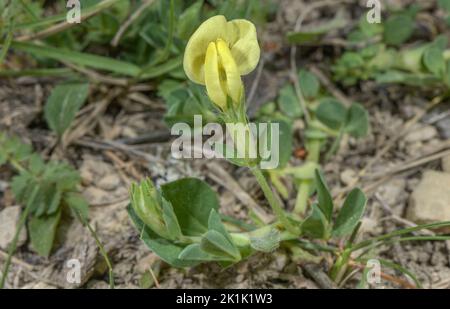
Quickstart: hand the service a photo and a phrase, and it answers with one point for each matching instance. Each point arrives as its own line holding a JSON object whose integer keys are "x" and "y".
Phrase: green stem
{"x": 243, "y": 239}
{"x": 334, "y": 148}
{"x": 340, "y": 267}
{"x": 304, "y": 188}
{"x": 314, "y": 150}
{"x": 447, "y": 54}
{"x": 13, "y": 245}
{"x": 302, "y": 197}
{"x": 16, "y": 165}
{"x": 273, "y": 202}
{"x": 276, "y": 182}
{"x": 29, "y": 10}
{"x": 101, "y": 248}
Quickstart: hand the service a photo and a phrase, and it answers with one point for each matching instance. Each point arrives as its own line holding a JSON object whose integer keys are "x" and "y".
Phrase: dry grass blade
{"x": 66, "y": 25}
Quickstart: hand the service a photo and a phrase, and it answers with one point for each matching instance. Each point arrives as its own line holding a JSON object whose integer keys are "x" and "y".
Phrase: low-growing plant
{"x": 48, "y": 191}
{"x": 382, "y": 59}
{"x": 180, "y": 221}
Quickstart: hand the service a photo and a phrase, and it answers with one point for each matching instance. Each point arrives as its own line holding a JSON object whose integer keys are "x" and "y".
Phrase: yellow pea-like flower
{"x": 218, "y": 54}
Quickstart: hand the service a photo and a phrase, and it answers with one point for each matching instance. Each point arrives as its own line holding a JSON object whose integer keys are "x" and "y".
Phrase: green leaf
{"x": 324, "y": 196}
{"x": 84, "y": 59}
{"x": 412, "y": 79}
{"x": 268, "y": 242}
{"x": 214, "y": 243}
{"x": 167, "y": 250}
{"x": 445, "y": 5}
{"x": 20, "y": 186}
{"x": 36, "y": 164}
{"x": 62, "y": 174}
{"x": 170, "y": 219}
{"x": 14, "y": 148}
{"x": 368, "y": 30}
{"x": 350, "y": 213}
{"x": 184, "y": 102}
{"x": 309, "y": 84}
{"x": 146, "y": 281}
{"x": 189, "y": 20}
{"x": 42, "y": 232}
{"x": 63, "y": 104}
{"x": 316, "y": 225}
{"x": 398, "y": 29}
{"x": 215, "y": 223}
{"x": 357, "y": 124}
{"x": 332, "y": 113}
{"x": 440, "y": 42}
{"x": 434, "y": 61}
{"x": 55, "y": 201}
{"x": 164, "y": 68}
{"x": 314, "y": 34}
{"x": 196, "y": 254}
{"x": 192, "y": 201}
{"x": 288, "y": 102}
{"x": 77, "y": 203}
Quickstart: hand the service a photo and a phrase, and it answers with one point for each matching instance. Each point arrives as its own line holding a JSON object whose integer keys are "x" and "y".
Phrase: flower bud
{"x": 146, "y": 202}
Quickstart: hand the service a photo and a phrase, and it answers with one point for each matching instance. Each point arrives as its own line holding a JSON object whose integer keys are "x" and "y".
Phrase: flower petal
{"x": 214, "y": 87}
{"x": 244, "y": 45}
{"x": 194, "y": 55}
{"x": 233, "y": 78}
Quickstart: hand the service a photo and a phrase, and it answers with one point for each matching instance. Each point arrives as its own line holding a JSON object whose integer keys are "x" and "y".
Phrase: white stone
{"x": 109, "y": 182}
{"x": 96, "y": 196}
{"x": 421, "y": 134}
{"x": 348, "y": 177}
{"x": 430, "y": 200}
{"x": 9, "y": 218}
{"x": 392, "y": 191}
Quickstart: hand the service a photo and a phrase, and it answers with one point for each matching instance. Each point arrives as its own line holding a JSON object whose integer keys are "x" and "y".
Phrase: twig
{"x": 219, "y": 175}
{"x": 129, "y": 21}
{"x": 111, "y": 145}
{"x": 66, "y": 25}
{"x": 90, "y": 121}
{"x": 319, "y": 276}
{"x": 411, "y": 164}
{"x": 399, "y": 219}
{"x": 388, "y": 146}
{"x": 97, "y": 77}
{"x": 17, "y": 261}
{"x": 100, "y": 247}
{"x": 256, "y": 82}
{"x": 151, "y": 137}
{"x": 330, "y": 86}
{"x": 154, "y": 277}
{"x": 387, "y": 277}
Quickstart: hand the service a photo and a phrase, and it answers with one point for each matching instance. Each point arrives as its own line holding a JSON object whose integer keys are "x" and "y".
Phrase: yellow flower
{"x": 218, "y": 54}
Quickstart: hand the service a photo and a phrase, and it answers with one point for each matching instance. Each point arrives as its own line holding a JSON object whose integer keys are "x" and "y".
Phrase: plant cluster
{"x": 382, "y": 58}
{"x": 197, "y": 69}
{"x": 180, "y": 221}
